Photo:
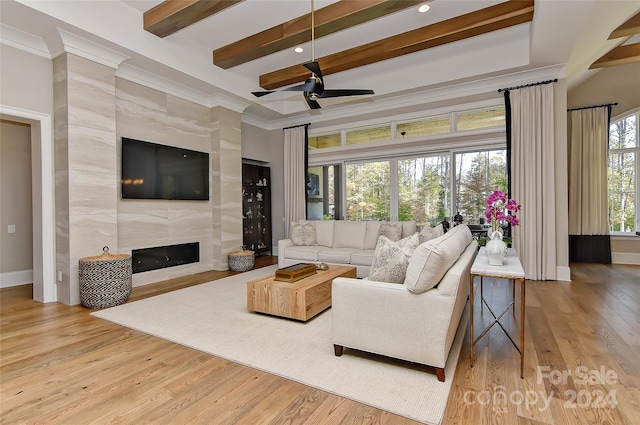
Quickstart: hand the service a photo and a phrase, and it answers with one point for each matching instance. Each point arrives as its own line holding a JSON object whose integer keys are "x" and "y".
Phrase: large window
{"x": 419, "y": 188}
{"x": 624, "y": 153}
{"x": 477, "y": 175}
{"x": 424, "y": 189}
{"x": 368, "y": 191}
{"x": 423, "y": 168}
{"x": 323, "y": 192}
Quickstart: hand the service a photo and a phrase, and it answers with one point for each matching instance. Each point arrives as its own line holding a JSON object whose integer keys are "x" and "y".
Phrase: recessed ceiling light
{"x": 298, "y": 50}
{"x": 424, "y": 8}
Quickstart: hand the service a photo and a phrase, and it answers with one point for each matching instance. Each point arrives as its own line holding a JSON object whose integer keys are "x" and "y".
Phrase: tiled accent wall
{"x": 147, "y": 114}
{"x": 85, "y": 166}
{"x": 227, "y": 184}
{"x": 93, "y": 110}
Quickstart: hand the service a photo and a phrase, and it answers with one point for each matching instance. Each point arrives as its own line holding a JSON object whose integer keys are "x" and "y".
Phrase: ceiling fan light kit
{"x": 313, "y": 88}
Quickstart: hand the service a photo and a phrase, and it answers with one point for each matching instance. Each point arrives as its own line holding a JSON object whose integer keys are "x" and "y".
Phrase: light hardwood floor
{"x": 59, "y": 365}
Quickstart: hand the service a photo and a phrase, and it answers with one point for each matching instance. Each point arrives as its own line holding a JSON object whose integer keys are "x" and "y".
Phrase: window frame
{"x": 635, "y": 150}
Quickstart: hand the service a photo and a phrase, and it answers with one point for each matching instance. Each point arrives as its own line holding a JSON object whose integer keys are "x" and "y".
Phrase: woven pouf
{"x": 105, "y": 280}
{"x": 241, "y": 261}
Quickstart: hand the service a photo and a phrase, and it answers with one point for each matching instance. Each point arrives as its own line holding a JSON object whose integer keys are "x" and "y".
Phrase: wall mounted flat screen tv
{"x": 154, "y": 171}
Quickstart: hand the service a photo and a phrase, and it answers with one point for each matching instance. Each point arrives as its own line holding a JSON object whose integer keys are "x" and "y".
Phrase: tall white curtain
{"x": 588, "y": 194}
{"x": 294, "y": 176}
{"x": 533, "y": 179}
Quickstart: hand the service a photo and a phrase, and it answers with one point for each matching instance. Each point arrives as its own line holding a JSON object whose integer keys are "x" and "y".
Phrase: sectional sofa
{"x": 416, "y": 319}
{"x": 337, "y": 242}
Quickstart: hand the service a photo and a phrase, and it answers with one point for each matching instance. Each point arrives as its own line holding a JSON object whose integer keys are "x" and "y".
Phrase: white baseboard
{"x": 625, "y": 258}
{"x": 21, "y": 277}
{"x": 563, "y": 273}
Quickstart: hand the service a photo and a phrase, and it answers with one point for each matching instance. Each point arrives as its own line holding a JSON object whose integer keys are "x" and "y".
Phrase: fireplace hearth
{"x": 160, "y": 257}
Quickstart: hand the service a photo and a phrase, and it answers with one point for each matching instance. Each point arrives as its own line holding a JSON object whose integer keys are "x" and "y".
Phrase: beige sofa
{"x": 414, "y": 321}
{"x": 339, "y": 242}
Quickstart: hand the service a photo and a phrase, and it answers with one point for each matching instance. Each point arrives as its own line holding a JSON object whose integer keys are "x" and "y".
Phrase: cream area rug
{"x": 213, "y": 318}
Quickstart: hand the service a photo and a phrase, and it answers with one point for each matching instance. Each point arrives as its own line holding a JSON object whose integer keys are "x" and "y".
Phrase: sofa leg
{"x": 440, "y": 374}
{"x": 337, "y": 349}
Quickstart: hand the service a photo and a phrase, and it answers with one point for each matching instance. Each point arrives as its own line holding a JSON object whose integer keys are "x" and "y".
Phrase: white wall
{"x": 27, "y": 80}
{"x": 26, "y": 95}
{"x": 268, "y": 146}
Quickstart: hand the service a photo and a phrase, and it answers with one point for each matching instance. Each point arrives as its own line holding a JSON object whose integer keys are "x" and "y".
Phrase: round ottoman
{"x": 241, "y": 261}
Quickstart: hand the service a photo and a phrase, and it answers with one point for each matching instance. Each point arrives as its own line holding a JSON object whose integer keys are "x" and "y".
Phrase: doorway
{"x": 43, "y": 178}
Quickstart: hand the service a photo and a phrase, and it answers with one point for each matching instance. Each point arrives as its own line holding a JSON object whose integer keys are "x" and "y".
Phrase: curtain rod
{"x": 299, "y": 125}
{"x": 594, "y": 106}
{"x": 529, "y": 85}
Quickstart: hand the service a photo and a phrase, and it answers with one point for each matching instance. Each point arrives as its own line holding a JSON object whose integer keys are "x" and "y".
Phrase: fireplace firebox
{"x": 160, "y": 257}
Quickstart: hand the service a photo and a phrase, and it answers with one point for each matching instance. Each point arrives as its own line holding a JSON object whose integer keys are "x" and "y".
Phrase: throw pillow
{"x": 303, "y": 234}
{"x": 391, "y": 258}
{"x": 391, "y": 231}
{"x": 432, "y": 259}
{"x": 427, "y": 233}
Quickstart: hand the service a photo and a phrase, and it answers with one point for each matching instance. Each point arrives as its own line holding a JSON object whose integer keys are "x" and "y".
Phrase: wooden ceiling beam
{"x": 171, "y": 16}
{"x": 328, "y": 20}
{"x": 629, "y": 28}
{"x": 503, "y": 15}
{"x": 621, "y": 55}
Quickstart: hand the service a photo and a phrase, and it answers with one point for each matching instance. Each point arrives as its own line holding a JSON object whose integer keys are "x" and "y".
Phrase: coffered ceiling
{"x": 219, "y": 51}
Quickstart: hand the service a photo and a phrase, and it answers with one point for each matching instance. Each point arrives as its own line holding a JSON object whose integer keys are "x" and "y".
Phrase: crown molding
{"x": 229, "y": 102}
{"x": 61, "y": 41}
{"x": 165, "y": 85}
{"x": 21, "y": 40}
{"x": 421, "y": 100}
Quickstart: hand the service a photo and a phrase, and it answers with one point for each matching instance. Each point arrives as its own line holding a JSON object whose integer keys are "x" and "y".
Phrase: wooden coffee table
{"x": 300, "y": 300}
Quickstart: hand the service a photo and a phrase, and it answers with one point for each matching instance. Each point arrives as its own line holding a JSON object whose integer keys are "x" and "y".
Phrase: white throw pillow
{"x": 427, "y": 233}
{"x": 324, "y": 232}
{"x": 371, "y": 238}
{"x": 432, "y": 259}
{"x": 392, "y": 231}
{"x": 303, "y": 234}
{"x": 391, "y": 259}
{"x": 349, "y": 234}
{"x": 439, "y": 229}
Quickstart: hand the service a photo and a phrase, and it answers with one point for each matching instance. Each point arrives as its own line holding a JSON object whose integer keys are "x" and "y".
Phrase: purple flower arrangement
{"x": 500, "y": 209}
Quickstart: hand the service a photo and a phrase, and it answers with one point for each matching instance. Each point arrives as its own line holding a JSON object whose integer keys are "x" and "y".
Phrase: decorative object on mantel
{"x": 241, "y": 261}
{"x": 499, "y": 210}
{"x": 105, "y": 280}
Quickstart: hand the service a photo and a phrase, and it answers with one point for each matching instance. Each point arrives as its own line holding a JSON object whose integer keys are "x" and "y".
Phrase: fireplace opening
{"x": 160, "y": 257}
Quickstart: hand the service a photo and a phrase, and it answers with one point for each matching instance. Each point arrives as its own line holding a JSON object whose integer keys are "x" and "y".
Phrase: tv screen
{"x": 154, "y": 171}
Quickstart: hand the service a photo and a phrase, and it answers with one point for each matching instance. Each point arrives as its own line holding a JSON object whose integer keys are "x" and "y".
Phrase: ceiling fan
{"x": 313, "y": 88}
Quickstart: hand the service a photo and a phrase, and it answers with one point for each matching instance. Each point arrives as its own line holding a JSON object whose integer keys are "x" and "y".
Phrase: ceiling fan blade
{"x": 312, "y": 103}
{"x": 314, "y": 67}
{"x": 345, "y": 92}
{"x": 308, "y": 86}
{"x": 261, "y": 93}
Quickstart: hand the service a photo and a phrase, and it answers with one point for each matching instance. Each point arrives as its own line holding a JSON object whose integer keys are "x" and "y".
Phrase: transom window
{"x": 453, "y": 122}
